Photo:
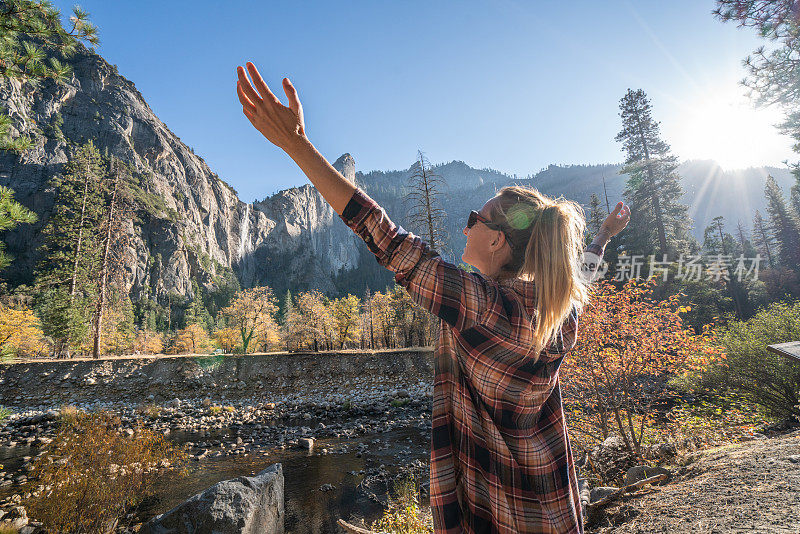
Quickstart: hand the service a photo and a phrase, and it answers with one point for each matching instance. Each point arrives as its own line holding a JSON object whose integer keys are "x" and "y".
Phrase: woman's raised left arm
{"x": 284, "y": 127}
{"x": 456, "y": 296}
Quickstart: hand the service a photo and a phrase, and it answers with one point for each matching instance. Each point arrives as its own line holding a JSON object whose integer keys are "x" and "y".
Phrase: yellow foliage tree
{"x": 383, "y": 318}
{"x": 227, "y": 338}
{"x": 251, "y": 310}
{"x": 148, "y": 342}
{"x": 267, "y": 337}
{"x": 346, "y": 319}
{"x": 192, "y": 340}
{"x": 316, "y": 326}
{"x": 20, "y": 333}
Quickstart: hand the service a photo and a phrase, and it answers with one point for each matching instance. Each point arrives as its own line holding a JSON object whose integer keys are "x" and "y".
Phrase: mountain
{"x": 191, "y": 225}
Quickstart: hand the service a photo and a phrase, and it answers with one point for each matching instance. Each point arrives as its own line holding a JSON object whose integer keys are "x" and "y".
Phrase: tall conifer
{"x": 653, "y": 188}
{"x": 762, "y": 239}
{"x": 66, "y": 275}
{"x": 784, "y": 225}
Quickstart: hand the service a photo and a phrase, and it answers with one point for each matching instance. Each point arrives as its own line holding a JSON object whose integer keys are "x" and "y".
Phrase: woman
{"x": 500, "y": 456}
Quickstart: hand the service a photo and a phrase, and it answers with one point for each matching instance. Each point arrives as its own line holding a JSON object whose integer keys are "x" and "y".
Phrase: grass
{"x": 397, "y": 403}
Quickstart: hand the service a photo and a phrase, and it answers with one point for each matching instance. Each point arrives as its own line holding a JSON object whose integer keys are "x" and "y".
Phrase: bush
{"x": 91, "y": 474}
{"x": 404, "y": 515}
{"x": 628, "y": 347}
{"x": 767, "y": 379}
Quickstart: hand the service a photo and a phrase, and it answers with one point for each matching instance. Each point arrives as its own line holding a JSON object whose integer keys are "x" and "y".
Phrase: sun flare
{"x": 726, "y": 127}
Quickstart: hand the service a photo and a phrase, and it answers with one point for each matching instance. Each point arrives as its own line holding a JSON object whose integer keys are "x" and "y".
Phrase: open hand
{"x": 281, "y": 125}
{"x": 616, "y": 221}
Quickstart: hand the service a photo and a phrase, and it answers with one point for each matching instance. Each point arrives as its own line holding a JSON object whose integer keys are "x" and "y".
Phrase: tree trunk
{"x": 662, "y": 237}
{"x": 101, "y": 299}
{"x": 73, "y": 282}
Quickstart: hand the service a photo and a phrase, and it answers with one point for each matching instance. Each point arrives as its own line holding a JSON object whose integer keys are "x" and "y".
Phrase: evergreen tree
{"x": 784, "y": 225}
{"x": 744, "y": 245}
{"x": 795, "y": 196}
{"x": 596, "y": 216}
{"x": 723, "y": 245}
{"x": 653, "y": 189}
{"x": 33, "y": 46}
{"x": 12, "y": 213}
{"x": 774, "y": 74}
{"x": 118, "y": 208}
{"x": 66, "y": 275}
{"x": 762, "y": 239}
{"x": 196, "y": 313}
{"x": 716, "y": 241}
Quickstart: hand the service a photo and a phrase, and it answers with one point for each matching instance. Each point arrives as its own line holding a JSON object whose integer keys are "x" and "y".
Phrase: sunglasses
{"x": 474, "y": 217}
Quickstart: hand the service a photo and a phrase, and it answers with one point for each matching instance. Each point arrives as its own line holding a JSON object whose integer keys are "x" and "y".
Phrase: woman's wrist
{"x": 603, "y": 236}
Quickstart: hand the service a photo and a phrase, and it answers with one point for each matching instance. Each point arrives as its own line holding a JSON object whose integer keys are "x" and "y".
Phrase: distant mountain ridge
{"x": 193, "y": 226}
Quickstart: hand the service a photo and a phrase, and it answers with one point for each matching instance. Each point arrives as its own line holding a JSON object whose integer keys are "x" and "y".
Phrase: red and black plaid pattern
{"x": 500, "y": 456}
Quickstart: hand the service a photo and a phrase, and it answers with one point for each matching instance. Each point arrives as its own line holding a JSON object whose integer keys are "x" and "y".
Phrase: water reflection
{"x": 308, "y": 510}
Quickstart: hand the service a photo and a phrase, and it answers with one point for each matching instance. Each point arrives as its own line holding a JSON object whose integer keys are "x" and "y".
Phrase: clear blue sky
{"x": 511, "y": 85}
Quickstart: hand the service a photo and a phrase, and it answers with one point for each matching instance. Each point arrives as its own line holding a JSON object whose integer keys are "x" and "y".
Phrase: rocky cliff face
{"x": 195, "y": 226}
{"x": 191, "y": 225}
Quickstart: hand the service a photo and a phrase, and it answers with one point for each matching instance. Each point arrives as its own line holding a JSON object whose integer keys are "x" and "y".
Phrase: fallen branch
{"x": 623, "y": 490}
{"x": 356, "y": 530}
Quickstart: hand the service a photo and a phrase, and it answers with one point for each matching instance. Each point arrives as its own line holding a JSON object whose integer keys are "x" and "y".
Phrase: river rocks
{"x": 641, "y": 472}
{"x": 16, "y": 518}
{"x": 602, "y": 492}
{"x": 247, "y": 505}
{"x": 611, "y": 459}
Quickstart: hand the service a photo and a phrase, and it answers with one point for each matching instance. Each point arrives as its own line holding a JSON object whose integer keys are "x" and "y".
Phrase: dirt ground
{"x": 746, "y": 487}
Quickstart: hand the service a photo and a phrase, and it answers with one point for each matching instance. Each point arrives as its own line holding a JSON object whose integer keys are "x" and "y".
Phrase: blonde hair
{"x": 547, "y": 236}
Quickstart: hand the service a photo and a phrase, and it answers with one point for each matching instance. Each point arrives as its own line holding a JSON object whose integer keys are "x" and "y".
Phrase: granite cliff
{"x": 191, "y": 225}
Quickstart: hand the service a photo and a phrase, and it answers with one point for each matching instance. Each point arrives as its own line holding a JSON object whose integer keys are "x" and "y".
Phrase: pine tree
{"x": 12, "y": 213}
{"x": 744, "y": 245}
{"x": 66, "y": 276}
{"x": 653, "y": 188}
{"x": 721, "y": 244}
{"x": 784, "y": 225}
{"x": 33, "y": 47}
{"x": 762, "y": 239}
{"x": 772, "y": 73}
{"x": 795, "y": 196}
{"x": 118, "y": 208}
{"x": 596, "y": 216}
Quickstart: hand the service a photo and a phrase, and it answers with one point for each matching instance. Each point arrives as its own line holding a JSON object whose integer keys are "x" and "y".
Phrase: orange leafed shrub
{"x": 628, "y": 347}
{"x": 92, "y": 474}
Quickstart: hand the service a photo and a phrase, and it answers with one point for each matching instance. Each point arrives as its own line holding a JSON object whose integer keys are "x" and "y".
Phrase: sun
{"x": 723, "y": 125}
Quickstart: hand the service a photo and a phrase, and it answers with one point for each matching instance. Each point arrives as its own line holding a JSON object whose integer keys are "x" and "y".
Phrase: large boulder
{"x": 246, "y": 505}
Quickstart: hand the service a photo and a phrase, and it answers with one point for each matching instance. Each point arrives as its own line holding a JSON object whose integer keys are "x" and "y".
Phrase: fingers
{"x": 246, "y": 104}
{"x": 617, "y": 208}
{"x": 291, "y": 95}
{"x": 262, "y": 87}
{"x": 248, "y": 90}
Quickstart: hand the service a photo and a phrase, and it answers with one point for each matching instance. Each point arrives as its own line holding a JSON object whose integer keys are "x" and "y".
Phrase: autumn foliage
{"x": 628, "y": 347}
{"x": 20, "y": 333}
{"x": 92, "y": 474}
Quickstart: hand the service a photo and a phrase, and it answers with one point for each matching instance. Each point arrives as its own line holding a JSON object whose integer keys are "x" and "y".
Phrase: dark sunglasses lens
{"x": 473, "y": 218}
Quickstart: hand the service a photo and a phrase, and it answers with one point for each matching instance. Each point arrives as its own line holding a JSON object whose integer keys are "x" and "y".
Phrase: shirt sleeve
{"x": 455, "y": 295}
{"x": 593, "y": 260}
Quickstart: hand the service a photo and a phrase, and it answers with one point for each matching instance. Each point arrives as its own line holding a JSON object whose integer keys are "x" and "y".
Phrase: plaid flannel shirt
{"x": 500, "y": 456}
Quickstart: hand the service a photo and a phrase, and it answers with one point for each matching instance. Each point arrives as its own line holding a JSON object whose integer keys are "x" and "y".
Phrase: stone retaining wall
{"x": 252, "y": 377}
